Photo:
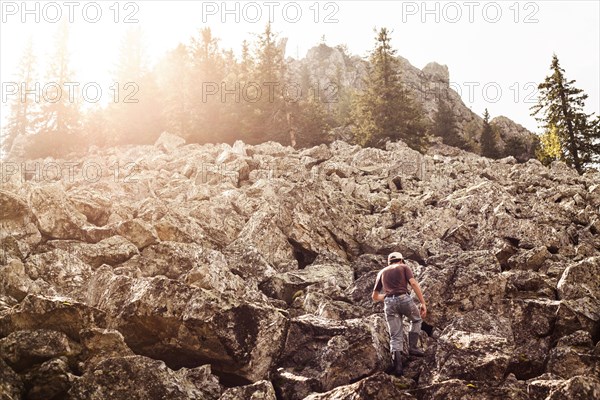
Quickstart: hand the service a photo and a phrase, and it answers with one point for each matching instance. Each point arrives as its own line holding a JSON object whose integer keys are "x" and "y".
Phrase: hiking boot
{"x": 413, "y": 340}
{"x": 397, "y": 364}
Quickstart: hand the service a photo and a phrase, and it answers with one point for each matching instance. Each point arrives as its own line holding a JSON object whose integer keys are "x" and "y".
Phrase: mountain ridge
{"x": 428, "y": 86}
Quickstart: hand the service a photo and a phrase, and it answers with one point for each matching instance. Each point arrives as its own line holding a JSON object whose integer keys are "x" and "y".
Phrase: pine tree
{"x": 247, "y": 62}
{"x": 518, "y": 148}
{"x": 240, "y": 116}
{"x": 269, "y": 56}
{"x": 174, "y": 72}
{"x": 131, "y": 64}
{"x": 206, "y": 77}
{"x": 561, "y": 105}
{"x": 446, "y": 127}
{"x": 206, "y": 55}
{"x": 386, "y": 110}
{"x": 340, "y": 109}
{"x": 314, "y": 122}
{"x": 136, "y": 112}
{"x": 314, "y": 111}
{"x": 23, "y": 108}
{"x": 272, "y": 117}
{"x": 489, "y": 138}
{"x": 60, "y": 113}
{"x": 595, "y": 126}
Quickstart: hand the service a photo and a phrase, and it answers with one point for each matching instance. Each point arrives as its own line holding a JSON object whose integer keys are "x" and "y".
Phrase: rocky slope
{"x": 180, "y": 271}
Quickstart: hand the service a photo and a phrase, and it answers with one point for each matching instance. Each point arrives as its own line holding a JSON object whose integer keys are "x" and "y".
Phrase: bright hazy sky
{"x": 512, "y": 54}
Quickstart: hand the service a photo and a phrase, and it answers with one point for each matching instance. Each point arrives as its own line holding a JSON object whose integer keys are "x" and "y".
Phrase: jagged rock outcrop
{"x": 515, "y": 139}
{"x": 331, "y": 70}
{"x": 253, "y": 277}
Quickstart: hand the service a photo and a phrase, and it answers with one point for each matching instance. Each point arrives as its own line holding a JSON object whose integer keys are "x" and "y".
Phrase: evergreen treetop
{"x": 561, "y": 107}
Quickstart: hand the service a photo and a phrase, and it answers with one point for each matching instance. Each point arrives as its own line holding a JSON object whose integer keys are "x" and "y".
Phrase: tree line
{"x": 194, "y": 91}
{"x": 208, "y": 95}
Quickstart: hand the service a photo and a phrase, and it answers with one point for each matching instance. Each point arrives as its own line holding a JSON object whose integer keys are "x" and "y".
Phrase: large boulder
{"x": 573, "y": 356}
{"x": 56, "y": 217}
{"x": 18, "y": 231}
{"x": 15, "y": 282}
{"x": 262, "y": 234}
{"x": 329, "y": 353}
{"x": 211, "y": 271}
{"x": 61, "y": 271}
{"x": 375, "y": 387}
{"x": 457, "y": 284}
{"x": 52, "y": 313}
{"x": 361, "y": 291}
{"x": 285, "y": 286}
{"x": 579, "y": 288}
{"x": 168, "y": 142}
{"x": 578, "y": 387}
{"x": 185, "y": 325}
{"x": 325, "y": 300}
{"x": 11, "y": 384}
{"x": 23, "y": 349}
{"x": 187, "y": 262}
{"x": 95, "y": 206}
{"x": 99, "y": 344}
{"x": 178, "y": 227}
{"x": 138, "y": 232}
{"x": 532, "y": 323}
{"x": 476, "y": 346}
{"x": 51, "y": 379}
{"x": 219, "y": 218}
{"x": 528, "y": 285}
{"x": 261, "y": 390}
{"x": 532, "y": 259}
{"x": 141, "y": 378}
{"x": 112, "y": 251}
{"x": 457, "y": 389}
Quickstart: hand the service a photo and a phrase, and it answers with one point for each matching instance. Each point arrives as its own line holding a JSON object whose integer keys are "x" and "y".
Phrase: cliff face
{"x": 329, "y": 67}
{"x": 216, "y": 272}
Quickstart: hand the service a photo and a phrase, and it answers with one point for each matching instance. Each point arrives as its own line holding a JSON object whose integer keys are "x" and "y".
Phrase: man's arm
{"x": 376, "y": 296}
{"x": 415, "y": 285}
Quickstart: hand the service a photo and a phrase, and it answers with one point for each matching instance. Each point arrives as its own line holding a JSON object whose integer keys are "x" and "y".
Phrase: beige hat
{"x": 395, "y": 256}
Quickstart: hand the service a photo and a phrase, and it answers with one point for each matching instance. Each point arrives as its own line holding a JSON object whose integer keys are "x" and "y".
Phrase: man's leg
{"x": 412, "y": 312}
{"x": 394, "y": 321}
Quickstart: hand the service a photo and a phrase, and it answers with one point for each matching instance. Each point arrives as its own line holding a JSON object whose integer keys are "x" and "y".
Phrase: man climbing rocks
{"x": 394, "y": 280}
